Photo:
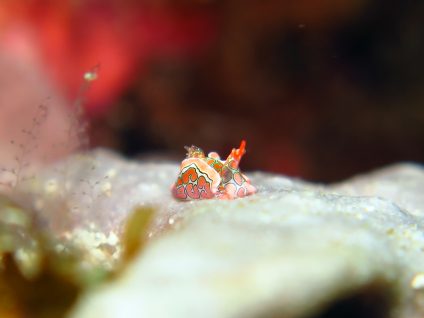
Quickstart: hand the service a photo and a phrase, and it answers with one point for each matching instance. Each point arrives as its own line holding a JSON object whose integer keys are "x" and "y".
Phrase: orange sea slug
{"x": 206, "y": 177}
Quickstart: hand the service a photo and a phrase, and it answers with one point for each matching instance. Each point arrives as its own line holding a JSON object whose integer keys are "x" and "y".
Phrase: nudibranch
{"x": 207, "y": 177}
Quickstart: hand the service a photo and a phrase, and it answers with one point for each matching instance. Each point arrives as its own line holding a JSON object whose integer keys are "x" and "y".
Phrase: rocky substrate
{"x": 294, "y": 249}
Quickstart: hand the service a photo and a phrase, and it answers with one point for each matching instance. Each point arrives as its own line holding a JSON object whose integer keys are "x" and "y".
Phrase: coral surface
{"x": 294, "y": 249}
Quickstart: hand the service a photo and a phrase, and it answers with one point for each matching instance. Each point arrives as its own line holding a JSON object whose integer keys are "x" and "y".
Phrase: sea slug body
{"x": 207, "y": 177}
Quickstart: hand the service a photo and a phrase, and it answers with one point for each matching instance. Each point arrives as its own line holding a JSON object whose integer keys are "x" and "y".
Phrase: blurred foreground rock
{"x": 354, "y": 249}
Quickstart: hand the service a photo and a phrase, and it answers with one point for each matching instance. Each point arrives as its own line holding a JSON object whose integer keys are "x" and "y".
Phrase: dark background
{"x": 319, "y": 89}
